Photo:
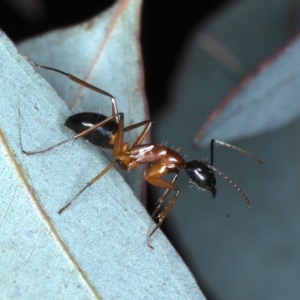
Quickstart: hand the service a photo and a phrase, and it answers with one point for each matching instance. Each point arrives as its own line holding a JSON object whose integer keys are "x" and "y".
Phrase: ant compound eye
{"x": 121, "y": 165}
{"x": 201, "y": 175}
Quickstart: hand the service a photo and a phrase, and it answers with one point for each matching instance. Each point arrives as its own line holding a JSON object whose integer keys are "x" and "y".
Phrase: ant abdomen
{"x": 100, "y": 136}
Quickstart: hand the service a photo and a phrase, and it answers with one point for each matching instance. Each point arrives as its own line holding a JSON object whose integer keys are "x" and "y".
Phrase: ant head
{"x": 201, "y": 175}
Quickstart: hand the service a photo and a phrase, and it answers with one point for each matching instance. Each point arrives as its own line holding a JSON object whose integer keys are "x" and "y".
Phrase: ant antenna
{"x": 234, "y": 148}
{"x": 231, "y": 182}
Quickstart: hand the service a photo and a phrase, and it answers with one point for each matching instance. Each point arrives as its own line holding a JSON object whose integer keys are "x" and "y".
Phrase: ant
{"x": 108, "y": 133}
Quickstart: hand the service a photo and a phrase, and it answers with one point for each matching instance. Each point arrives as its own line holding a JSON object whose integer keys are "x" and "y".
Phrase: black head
{"x": 201, "y": 175}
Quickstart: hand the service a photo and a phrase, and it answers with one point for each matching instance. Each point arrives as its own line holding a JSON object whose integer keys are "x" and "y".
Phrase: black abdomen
{"x": 99, "y": 137}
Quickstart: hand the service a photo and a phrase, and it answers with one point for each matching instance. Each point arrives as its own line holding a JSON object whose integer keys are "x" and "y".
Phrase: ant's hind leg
{"x": 163, "y": 215}
{"x": 81, "y": 82}
{"x": 75, "y": 137}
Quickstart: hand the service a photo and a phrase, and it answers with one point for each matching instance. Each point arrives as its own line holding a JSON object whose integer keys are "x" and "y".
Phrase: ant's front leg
{"x": 153, "y": 176}
{"x": 163, "y": 215}
{"x": 162, "y": 198}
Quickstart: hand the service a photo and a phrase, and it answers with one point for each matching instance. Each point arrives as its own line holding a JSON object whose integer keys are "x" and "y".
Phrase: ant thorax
{"x": 149, "y": 153}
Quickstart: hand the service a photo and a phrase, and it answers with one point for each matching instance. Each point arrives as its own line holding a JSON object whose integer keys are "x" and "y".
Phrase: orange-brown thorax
{"x": 150, "y": 153}
{"x": 153, "y": 153}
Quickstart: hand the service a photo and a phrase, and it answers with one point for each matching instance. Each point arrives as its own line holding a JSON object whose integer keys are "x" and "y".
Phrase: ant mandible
{"x": 108, "y": 133}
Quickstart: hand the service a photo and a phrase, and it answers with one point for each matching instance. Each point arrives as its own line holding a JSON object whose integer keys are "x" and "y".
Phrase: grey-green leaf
{"x": 266, "y": 101}
{"x": 105, "y": 52}
{"x": 95, "y": 249}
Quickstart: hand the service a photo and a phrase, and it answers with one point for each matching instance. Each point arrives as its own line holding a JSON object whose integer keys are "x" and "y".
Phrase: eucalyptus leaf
{"x": 98, "y": 247}
{"x": 266, "y": 101}
{"x": 105, "y": 52}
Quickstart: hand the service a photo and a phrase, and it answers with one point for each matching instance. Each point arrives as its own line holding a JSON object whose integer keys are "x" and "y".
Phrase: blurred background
{"x": 195, "y": 54}
{"x": 165, "y": 27}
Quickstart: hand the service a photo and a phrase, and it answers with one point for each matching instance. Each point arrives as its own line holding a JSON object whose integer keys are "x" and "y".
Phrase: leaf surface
{"x": 105, "y": 52}
{"x": 95, "y": 249}
{"x": 266, "y": 101}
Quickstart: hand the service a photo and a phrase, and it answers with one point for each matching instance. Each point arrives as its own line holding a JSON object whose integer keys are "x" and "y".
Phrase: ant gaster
{"x": 108, "y": 133}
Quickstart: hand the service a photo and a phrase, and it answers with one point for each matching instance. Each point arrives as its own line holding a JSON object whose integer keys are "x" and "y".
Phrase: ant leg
{"x": 162, "y": 198}
{"x": 162, "y": 215}
{"x": 152, "y": 176}
{"x": 232, "y": 147}
{"x": 136, "y": 125}
{"x": 118, "y": 140}
{"x": 120, "y": 134}
{"x": 143, "y": 134}
{"x": 119, "y": 137}
{"x": 88, "y": 185}
{"x": 45, "y": 150}
{"x": 42, "y": 151}
{"x": 75, "y": 137}
{"x": 116, "y": 151}
{"x": 81, "y": 82}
